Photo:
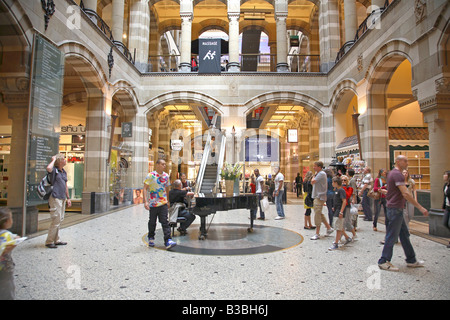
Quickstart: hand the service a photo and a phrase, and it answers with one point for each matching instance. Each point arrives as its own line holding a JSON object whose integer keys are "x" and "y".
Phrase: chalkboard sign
{"x": 45, "y": 112}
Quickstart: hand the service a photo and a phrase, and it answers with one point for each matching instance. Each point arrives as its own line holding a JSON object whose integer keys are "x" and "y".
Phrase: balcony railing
{"x": 101, "y": 24}
{"x": 371, "y": 22}
{"x": 249, "y": 63}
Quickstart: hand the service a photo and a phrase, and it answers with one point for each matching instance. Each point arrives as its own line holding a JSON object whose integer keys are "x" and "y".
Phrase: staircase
{"x": 209, "y": 178}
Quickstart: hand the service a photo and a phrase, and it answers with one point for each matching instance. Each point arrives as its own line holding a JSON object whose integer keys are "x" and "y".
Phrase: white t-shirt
{"x": 259, "y": 181}
{"x": 279, "y": 177}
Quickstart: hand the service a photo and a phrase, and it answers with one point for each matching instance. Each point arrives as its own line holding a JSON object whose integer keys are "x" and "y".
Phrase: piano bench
{"x": 173, "y": 225}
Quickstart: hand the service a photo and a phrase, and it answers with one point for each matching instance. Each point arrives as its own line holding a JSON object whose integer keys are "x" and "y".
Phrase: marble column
{"x": 139, "y": 34}
{"x": 234, "y": 13}
{"x": 281, "y": 13}
{"x": 95, "y": 197}
{"x": 17, "y": 104}
{"x": 90, "y": 4}
{"x": 351, "y": 19}
{"x": 187, "y": 15}
{"x": 436, "y": 111}
{"x": 118, "y": 7}
{"x": 328, "y": 34}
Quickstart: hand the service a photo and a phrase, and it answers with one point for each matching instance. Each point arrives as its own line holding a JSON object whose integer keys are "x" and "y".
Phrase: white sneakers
{"x": 390, "y": 267}
{"x": 317, "y": 237}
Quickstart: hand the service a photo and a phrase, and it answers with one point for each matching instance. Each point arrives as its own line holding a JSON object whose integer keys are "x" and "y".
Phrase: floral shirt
{"x": 6, "y": 262}
{"x": 157, "y": 184}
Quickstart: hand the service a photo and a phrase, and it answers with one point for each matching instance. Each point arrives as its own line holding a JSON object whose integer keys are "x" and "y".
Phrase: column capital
{"x": 234, "y": 16}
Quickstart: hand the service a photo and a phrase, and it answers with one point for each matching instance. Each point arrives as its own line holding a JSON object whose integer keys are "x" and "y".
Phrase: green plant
{"x": 230, "y": 171}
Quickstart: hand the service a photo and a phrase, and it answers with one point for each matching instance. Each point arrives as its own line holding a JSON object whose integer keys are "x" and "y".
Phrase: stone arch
{"x": 304, "y": 100}
{"x": 375, "y": 141}
{"x": 443, "y": 23}
{"x": 345, "y": 86}
{"x": 126, "y": 97}
{"x": 87, "y": 66}
{"x": 385, "y": 62}
{"x": 182, "y": 97}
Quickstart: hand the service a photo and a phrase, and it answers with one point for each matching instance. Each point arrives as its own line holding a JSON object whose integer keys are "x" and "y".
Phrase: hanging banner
{"x": 209, "y": 55}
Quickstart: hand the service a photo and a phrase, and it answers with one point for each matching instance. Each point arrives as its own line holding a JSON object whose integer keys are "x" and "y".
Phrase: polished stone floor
{"x": 107, "y": 258}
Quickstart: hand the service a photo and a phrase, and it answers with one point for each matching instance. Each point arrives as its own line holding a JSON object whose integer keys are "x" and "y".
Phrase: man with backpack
{"x": 57, "y": 200}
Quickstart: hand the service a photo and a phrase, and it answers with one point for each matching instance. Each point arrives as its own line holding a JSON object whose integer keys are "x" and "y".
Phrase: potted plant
{"x": 230, "y": 173}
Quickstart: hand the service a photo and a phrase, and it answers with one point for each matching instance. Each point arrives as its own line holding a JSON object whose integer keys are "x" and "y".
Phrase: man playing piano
{"x": 177, "y": 194}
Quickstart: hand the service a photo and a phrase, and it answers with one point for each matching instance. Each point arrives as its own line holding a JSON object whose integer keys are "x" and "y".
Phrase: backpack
{"x": 45, "y": 187}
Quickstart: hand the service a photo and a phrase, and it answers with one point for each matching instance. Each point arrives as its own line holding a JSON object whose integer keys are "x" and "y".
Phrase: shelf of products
{"x": 418, "y": 167}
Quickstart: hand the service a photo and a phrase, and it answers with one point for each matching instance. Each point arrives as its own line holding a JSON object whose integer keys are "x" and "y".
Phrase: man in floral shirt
{"x": 156, "y": 189}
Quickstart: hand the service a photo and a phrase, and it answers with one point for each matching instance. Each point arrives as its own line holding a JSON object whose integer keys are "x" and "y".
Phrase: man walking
{"x": 156, "y": 188}
{"x": 396, "y": 196}
{"x": 278, "y": 194}
{"x": 319, "y": 194}
{"x": 259, "y": 192}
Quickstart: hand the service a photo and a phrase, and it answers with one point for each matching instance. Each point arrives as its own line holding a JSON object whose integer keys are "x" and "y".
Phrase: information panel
{"x": 45, "y": 112}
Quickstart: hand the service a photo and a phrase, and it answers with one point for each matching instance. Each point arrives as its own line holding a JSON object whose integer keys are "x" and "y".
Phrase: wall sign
{"x": 45, "y": 112}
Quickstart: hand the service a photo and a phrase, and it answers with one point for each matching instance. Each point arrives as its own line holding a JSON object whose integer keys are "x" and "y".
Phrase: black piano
{"x": 206, "y": 204}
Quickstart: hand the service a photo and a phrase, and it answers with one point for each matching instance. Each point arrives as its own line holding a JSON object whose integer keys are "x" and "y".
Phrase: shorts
{"x": 318, "y": 215}
{"x": 339, "y": 224}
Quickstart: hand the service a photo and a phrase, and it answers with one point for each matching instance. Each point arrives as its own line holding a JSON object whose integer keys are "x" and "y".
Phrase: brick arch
{"x": 87, "y": 65}
{"x": 126, "y": 97}
{"x": 282, "y": 97}
{"x": 385, "y": 62}
{"x": 185, "y": 97}
{"x": 375, "y": 140}
{"x": 341, "y": 89}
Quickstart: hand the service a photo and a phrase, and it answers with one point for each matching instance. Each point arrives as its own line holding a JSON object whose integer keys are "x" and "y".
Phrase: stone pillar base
{"x": 282, "y": 67}
{"x": 31, "y": 223}
{"x": 185, "y": 67}
{"x": 436, "y": 225}
{"x": 95, "y": 202}
{"x": 233, "y": 67}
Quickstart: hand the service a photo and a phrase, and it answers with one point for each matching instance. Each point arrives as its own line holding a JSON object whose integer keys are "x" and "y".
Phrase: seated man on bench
{"x": 179, "y": 195}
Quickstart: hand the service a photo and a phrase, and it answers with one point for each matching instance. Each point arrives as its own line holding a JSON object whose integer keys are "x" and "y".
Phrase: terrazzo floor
{"x": 106, "y": 258}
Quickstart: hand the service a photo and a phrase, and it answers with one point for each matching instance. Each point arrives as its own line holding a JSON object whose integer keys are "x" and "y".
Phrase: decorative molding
{"x": 49, "y": 8}
{"x": 360, "y": 62}
{"x": 110, "y": 61}
{"x": 420, "y": 10}
{"x": 443, "y": 86}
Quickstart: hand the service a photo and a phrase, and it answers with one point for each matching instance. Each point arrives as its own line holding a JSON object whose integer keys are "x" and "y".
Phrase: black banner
{"x": 209, "y": 55}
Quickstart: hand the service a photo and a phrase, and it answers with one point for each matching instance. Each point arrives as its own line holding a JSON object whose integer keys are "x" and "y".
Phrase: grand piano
{"x": 208, "y": 198}
{"x": 206, "y": 204}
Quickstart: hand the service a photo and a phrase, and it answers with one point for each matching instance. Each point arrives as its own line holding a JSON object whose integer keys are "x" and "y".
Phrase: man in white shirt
{"x": 319, "y": 194}
{"x": 278, "y": 194}
{"x": 259, "y": 192}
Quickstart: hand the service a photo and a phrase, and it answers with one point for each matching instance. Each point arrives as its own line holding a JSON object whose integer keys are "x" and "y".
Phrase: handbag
{"x": 264, "y": 204}
{"x": 375, "y": 195}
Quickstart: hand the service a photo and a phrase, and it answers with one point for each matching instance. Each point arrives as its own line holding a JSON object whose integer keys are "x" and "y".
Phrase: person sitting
{"x": 177, "y": 195}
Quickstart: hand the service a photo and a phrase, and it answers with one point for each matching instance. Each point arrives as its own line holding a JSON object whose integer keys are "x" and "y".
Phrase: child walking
{"x": 7, "y": 287}
{"x": 340, "y": 210}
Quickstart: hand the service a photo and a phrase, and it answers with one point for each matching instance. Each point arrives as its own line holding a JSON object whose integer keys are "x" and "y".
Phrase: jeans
{"x": 378, "y": 203}
{"x": 162, "y": 213}
{"x": 261, "y": 212}
{"x": 279, "y": 203}
{"x": 367, "y": 209}
{"x": 330, "y": 207}
{"x": 397, "y": 229}
{"x": 189, "y": 219}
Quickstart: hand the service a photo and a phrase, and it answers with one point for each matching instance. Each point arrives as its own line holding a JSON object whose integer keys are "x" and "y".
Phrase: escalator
{"x": 209, "y": 172}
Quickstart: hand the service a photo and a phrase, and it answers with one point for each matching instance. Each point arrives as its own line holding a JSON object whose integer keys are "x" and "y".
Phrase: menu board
{"x": 45, "y": 112}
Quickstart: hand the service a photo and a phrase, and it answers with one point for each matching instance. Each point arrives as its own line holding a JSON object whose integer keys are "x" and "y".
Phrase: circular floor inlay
{"x": 231, "y": 239}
